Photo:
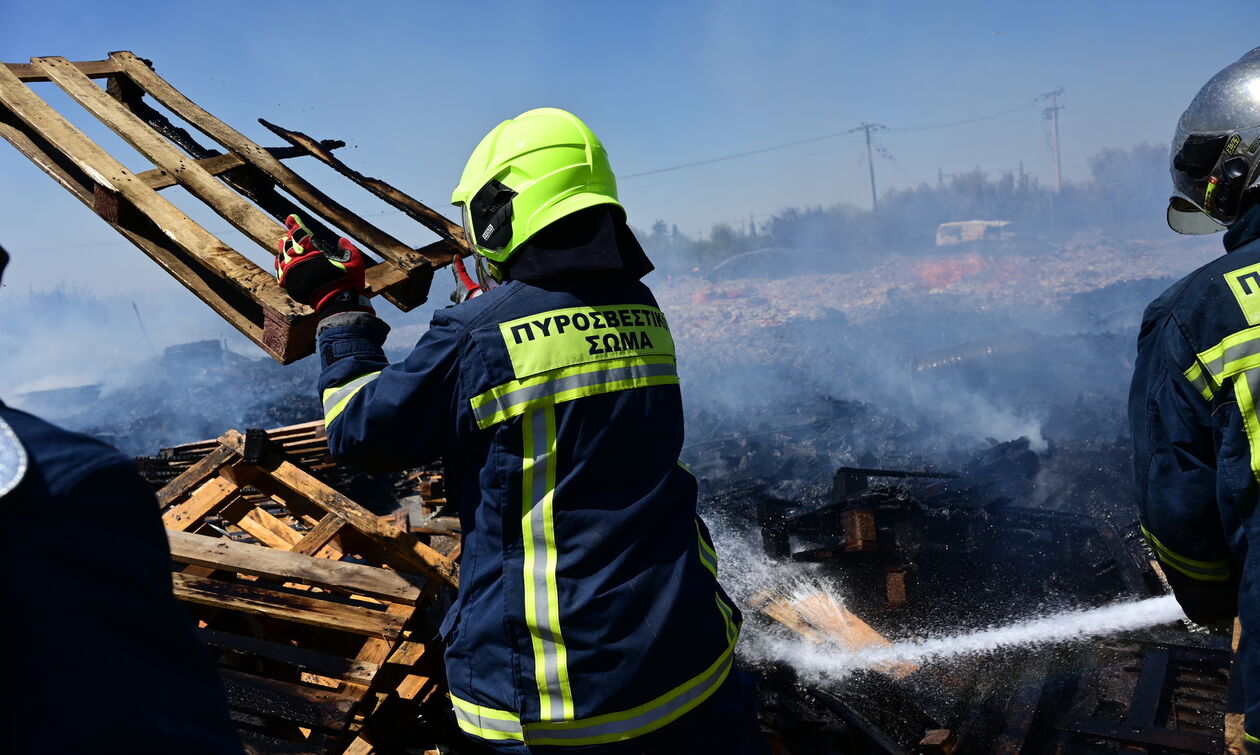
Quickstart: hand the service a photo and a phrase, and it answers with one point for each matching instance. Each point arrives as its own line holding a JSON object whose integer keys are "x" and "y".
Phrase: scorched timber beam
{"x": 219, "y": 164}
{"x": 93, "y": 69}
{"x": 243, "y": 293}
{"x": 245, "y": 217}
{"x": 317, "y": 201}
{"x": 452, "y": 233}
{"x": 401, "y": 289}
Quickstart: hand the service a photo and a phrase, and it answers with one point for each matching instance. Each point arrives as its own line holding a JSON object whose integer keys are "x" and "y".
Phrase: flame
{"x": 937, "y": 274}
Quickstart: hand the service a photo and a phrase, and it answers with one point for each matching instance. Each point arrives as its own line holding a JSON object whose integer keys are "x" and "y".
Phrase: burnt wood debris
{"x": 318, "y": 589}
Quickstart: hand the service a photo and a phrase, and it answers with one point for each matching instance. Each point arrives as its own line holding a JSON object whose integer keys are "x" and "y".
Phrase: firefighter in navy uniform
{"x": 1193, "y": 404}
{"x": 589, "y": 617}
{"x": 104, "y": 658}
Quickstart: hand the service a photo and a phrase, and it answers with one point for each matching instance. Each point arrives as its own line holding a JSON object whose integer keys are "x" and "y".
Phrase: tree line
{"x": 1126, "y": 191}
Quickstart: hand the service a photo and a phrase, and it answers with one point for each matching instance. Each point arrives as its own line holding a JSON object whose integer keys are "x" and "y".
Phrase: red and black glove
{"x": 465, "y": 287}
{"x": 330, "y": 282}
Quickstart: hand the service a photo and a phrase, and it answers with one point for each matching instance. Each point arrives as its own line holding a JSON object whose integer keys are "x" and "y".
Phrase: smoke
{"x": 65, "y": 337}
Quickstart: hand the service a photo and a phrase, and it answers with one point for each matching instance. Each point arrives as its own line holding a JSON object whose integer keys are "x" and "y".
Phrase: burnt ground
{"x": 1007, "y": 373}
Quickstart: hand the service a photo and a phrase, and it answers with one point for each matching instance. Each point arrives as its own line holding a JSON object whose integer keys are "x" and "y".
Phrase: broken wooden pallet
{"x": 242, "y": 184}
{"x": 823, "y": 620}
{"x": 317, "y": 611}
{"x": 305, "y": 443}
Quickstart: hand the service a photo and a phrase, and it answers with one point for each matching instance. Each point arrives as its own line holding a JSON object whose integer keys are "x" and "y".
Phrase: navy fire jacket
{"x": 1196, "y": 438}
{"x": 107, "y": 660}
{"x": 589, "y": 609}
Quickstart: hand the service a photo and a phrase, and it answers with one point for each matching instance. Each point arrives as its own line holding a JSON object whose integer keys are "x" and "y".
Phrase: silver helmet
{"x": 1216, "y": 150}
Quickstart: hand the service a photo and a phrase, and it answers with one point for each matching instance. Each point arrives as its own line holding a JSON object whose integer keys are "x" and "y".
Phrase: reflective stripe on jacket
{"x": 1196, "y": 438}
{"x": 589, "y": 609}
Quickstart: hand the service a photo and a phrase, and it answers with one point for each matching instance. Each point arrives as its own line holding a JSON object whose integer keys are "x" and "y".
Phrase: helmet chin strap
{"x": 489, "y": 274}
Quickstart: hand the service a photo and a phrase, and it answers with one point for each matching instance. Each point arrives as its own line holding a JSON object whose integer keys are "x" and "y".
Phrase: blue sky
{"x": 413, "y": 86}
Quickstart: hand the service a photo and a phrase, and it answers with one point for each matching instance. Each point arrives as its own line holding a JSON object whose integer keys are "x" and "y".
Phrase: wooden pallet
{"x": 317, "y": 611}
{"x": 239, "y": 183}
{"x": 305, "y": 443}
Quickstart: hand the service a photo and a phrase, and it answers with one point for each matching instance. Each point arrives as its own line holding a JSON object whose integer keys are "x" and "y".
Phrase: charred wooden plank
{"x": 286, "y": 606}
{"x": 114, "y": 177}
{"x": 244, "y": 294}
{"x": 224, "y": 163}
{"x": 190, "y": 478}
{"x": 311, "y": 706}
{"x": 93, "y": 69}
{"x": 411, "y": 207}
{"x": 320, "y": 203}
{"x": 394, "y": 283}
{"x": 300, "y": 659}
{"x": 228, "y": 204}
{"x": 357, "y": 579}
{"x": 1150, "y": 736}
{"x": 234, "y": 305}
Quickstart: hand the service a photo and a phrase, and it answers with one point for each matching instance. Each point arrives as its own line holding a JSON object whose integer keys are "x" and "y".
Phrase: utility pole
{"x": 1051, "y": 114}
{"x": 870, "y": 159}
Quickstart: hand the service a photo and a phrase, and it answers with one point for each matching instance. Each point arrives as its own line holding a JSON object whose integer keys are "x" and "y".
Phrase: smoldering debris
{"x": 891, "y": 467}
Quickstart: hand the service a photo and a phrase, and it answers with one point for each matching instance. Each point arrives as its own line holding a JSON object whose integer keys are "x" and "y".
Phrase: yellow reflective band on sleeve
{"x": 487, "y": 723}
{"x": 581, "y": 335}
{"x": 1234, "y": 354}
{"x": 336, "y": 398}
{"x": 728, "y": 617}
{"x": 1251, "y": 738}
{"x": 1205, "y": 571}
{"x": 1246, "y": 388}
{"x": 1201, "y": 381}
{"x": 520, "y": 396}
{"x": 708, "y": 556}
{"x": 538, "y": 531}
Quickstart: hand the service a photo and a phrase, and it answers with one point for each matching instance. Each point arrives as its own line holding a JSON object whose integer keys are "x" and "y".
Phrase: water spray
{"x": 833, "y": 659}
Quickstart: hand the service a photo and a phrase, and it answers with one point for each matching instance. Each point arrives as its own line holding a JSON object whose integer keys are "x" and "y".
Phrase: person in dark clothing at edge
{"x": 1192, "y": 407}
{"x": 107, "y": 661}
{"x": 589, "y": 617}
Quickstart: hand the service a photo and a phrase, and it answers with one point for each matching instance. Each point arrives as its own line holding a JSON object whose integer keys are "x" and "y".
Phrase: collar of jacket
{"x": 1244, "y": 230}
{"x": 594, "y": 240}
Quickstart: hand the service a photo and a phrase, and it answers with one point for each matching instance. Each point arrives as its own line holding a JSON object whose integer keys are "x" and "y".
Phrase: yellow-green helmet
{"x": 528, "y": 173}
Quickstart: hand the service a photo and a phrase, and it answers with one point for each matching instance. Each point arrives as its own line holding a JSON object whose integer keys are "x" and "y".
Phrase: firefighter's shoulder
{"x": 60, "y": 457}
{"x": 1215, "y": 301}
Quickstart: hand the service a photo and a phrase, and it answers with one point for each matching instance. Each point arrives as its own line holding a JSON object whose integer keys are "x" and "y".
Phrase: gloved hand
{"x": 465, "y": 287}
{"x": 330, "y": 282}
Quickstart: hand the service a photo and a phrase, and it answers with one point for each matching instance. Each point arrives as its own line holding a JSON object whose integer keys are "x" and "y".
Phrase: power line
{"x": 951, "y": 124}
{"x": 736, "y": 155}
{"x": 832, "y": 135}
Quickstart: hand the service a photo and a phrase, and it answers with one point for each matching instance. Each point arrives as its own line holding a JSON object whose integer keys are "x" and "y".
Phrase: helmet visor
{"x": 466, "y": 217}
{"x": 1184, "y": 217}
{"x": 1204, "y": 198}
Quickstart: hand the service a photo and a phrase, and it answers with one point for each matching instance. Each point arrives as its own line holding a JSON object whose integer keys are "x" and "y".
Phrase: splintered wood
{"x": 242, "y": 184}
{"x": 821, "y": 619}
{"x": 319, "y": 613}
